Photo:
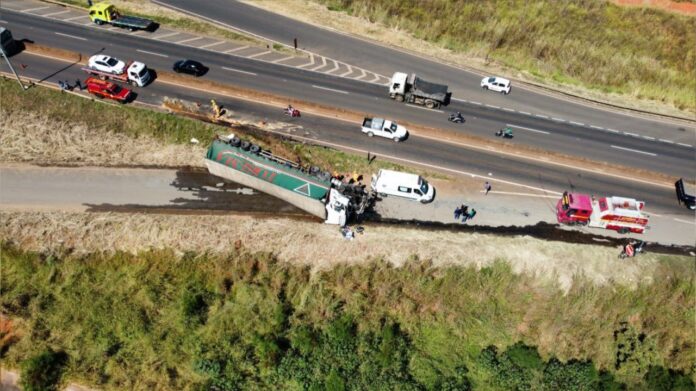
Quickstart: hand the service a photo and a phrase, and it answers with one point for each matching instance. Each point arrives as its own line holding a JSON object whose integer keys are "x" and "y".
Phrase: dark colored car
{"x": 191, "y": 67}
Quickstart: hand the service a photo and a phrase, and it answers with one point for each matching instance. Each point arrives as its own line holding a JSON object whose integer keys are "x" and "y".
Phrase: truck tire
{"x": 99, "y": 22}
{"x": 131, "y": 29}
{"x": 370, "y": 134}
{"x": 254, "y": 148}
{"x": 245, "y": 145}
{"x": 235, "y": 141}
{"x": 396, "y": 139}
{"x": 430, "y": 104}
{"x": 485, "y": 87}
{"x": 399, "y": 98}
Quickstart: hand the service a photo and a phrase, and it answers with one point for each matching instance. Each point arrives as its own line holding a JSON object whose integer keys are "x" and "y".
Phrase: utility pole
{"x": 4, "y": 55}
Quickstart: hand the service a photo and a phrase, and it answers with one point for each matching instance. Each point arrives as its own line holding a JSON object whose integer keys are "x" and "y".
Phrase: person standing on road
{"x": 487, "y": 187}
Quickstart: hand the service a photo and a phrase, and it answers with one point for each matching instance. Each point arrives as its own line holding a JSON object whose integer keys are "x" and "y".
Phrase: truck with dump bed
{"x": 102, "y": 13}
{"x": 412, "y": 89}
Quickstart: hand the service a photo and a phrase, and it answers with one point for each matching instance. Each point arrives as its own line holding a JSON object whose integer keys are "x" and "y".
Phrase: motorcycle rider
{"x": 459, "y": 116}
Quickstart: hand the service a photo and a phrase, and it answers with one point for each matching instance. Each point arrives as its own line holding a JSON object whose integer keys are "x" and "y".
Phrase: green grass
{"x": 244, "y": 320}
{"x": 636, "y": 52}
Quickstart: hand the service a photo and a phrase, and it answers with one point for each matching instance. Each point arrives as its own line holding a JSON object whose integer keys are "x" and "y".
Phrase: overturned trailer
{"x": 311, "y": 190}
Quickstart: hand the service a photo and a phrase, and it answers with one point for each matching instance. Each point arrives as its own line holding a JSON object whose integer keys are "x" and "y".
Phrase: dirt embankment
{"x": 322, "y": 245}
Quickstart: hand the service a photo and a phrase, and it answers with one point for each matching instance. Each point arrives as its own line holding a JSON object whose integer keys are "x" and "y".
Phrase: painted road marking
{"x": 506, "y": 109}
{"x": 211, "y": 44}
{"x": 649, "y": 138}
{"x": 684, "y": 221}
{"x": 577, "y": 123}
{"x": 476, "y": 103}
{"x": 425, "y": 108}
{"x": 684, "y": 145}
{"x": 282, "y": 59}
{"x": 153, "y": 53}
{"x": 260, "y": 54}
{"x": 330, "y": 89}
{"x": 634, "y": 150}
{"x": 236, "y": 49}
{"x": 71, "y": 36}
{"x": 56, "y": 13}
{"x": 667, "y": 141}
{"x": 323, "y": 64}
{"x": 166, "y": 35}
{"x": 520, "y": 194}
{"x": 525, "y": 113}
{"x": 494, "y": 107}
{"x": 74, "y": 18}
{"x": 350, "y": 70}
{"x": 335, "y": 68}
{"x": 541, "y": 116}
{"x": 188, "y": 40}
{"x": 237, "y": 70}
{"x": 363, "y": 74}
{"x": 311, "y": 61}
{"x": 558, "y": 119}
{"x": 612, "y": 130}
{"x": 530, "y": 129}
{"x": 596, "y": 127}
{"x": 36, "y": 9}
{"x": 3, "y": 21}
{"x": 631, "y": 134}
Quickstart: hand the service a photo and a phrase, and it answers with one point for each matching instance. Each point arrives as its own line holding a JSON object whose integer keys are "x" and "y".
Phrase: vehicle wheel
{"x": 485, "y": 87}
{"x": 99, "y": 22}
{"x": 382, "y": 195}
{"x": 235, "y": 141}
{"x": 623, "y": 231}
{"x": 245, "y": 145}
{"x": 430, "y": 104}
{"x": 131, "y": 29}
{"x": 100, "y": 96}
{"x": 396, "y": 139}
{"x": 507, "y": 92}
{"x": 102, "y": 77}
{"x": 399, "y": 98}
{"x": 254, "y": 148}
{"x": 370, "y": 134}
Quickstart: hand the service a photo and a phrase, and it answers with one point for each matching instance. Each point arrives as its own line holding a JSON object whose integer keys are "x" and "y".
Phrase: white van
{"x": 402, "y": 184}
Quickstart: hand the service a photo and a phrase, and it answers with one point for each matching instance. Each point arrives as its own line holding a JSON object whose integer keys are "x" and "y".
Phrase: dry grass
{"x": 310, "y": 11}
{"x": 27, "y": 137}
{"x": 320, "y": 245}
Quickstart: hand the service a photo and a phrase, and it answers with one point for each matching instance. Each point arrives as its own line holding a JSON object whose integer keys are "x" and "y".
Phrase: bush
{"x": 43, "y": 372}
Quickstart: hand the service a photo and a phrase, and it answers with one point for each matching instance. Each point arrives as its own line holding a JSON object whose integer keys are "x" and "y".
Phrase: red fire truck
{"x": 620, "y": 214}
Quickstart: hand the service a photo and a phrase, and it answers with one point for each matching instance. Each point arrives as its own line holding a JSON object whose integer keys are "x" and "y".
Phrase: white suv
{"x": 497, "y": 84}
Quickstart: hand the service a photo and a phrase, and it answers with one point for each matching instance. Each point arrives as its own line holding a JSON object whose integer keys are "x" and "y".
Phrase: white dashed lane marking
{"x": 239, "y": 71}
{"x": 634, "y": 150}
{"x": 330, "y": 89}
{"x": 529, "y": 129}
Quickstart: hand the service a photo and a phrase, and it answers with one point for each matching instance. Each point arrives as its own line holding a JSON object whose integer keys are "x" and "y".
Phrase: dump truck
{"x": 412, "y": 89}
{"x": 105, "y": 13}
{"x": 620, "y": 214}
{"x": 310, "y": 189}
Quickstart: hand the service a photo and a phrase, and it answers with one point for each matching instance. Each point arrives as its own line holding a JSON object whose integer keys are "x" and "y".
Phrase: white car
{"x": 497, "y": 84}
{"x": 384, "y": 128}
{"x": 107, "y": 64}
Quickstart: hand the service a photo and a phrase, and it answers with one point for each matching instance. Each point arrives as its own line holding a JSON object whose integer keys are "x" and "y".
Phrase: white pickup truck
{"x": 384, "y": 128}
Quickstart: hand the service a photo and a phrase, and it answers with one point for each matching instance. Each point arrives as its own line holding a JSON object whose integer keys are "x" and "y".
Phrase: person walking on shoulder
{"x": 487, "y": 187}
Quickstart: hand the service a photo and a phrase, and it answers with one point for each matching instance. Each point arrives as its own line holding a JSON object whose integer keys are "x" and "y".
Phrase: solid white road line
{"x": 634, "y": 150}
{"x": 520, "y": 194}
{"x": 684, "y": 221}
{"x": 667, "y": 141}
{"x": 596, "y": 127}
{"x": 211, "y": 45}
{"x": 260, "y": 54}
{"x": 56, "y": 13}
{"x": 330, "y": 89}
{"x": 577, "y": 123}
{"x": 74, "y": 18}
{"x": 425, "y": 108}
{"x": 236, "y": 49}
{"x": 237, "y": 70}
{"x": 476, "y": 103}
{"x": 71, "y": 36}
{"x": 541, "y": 116}
{"x": 684, "y": 145}
{"x": 558, "y": 119}
{"x": 159, "y": 37}
{"x": 649, "y": 138}
{"x": 530, "y": 129}
{"x": 35, "y": 9}
{"x": 631, "y": 134}
{"x": 494, "y": 107}
{"x": 188, "y": 40}
{"x": 153, "y": 53}
{"x": 506, "y": 109}
{"x": 612, "y": 130}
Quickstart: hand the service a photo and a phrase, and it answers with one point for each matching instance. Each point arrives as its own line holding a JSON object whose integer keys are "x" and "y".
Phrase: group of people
{"x": 464, "y": 212}
{"x": 65, "y": 85}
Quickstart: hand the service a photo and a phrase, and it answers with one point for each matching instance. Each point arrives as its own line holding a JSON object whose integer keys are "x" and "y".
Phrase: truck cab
{"x": 574, "y": 208}
{"x": 397, "y": 85}
{"x": 139, "y": 74}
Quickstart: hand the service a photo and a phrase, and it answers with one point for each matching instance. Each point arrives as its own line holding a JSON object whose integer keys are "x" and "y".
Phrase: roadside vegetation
{"x": 46, "y": 126}
{"x": 244, "y": 320}
{"x": 639, "y": 53}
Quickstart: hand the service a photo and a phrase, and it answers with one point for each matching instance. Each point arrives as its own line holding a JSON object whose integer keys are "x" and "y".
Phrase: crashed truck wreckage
{"x": 311, "y": 190}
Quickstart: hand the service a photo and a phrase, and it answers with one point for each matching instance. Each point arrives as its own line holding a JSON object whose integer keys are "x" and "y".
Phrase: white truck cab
{"x": 397, "y": 86}
{"x": 402, "y": 184}
{"x": 384, "y": 128}
{"x": 138, "y": 73}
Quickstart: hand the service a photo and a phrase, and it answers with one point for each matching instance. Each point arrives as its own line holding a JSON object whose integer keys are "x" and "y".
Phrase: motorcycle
{"x": 292, "y": 112}
{"x": 457, "y": 119}
{"x": 505, "y": 132}
{"x": 632, "y": 249}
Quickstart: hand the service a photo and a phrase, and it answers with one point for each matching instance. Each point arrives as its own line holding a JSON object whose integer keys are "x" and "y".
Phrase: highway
{"x": 386, "y": 60}
{"x": 645, "y": 153}
{"x": 416, "y": 150}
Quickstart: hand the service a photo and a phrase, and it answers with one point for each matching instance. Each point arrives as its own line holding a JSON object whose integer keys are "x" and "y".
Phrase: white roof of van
{"x": 402, "y": 177}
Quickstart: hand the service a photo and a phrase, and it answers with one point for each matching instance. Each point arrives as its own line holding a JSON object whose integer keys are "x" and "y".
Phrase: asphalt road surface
{"x": 431, "y": 153}
{"x": 632, "y": 151}
{"x": 387, "y": 60}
